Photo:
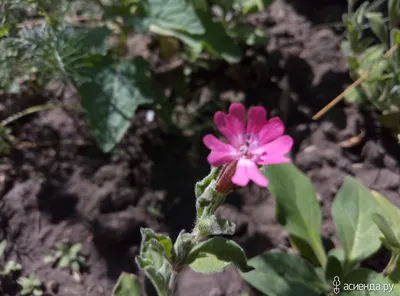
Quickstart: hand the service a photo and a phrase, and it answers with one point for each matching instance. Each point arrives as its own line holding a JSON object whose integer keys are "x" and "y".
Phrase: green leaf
{"x": 371, "y": 56}
{"x": 211, "y": 225}
{"x": 251, "y": 6}
{"x": 364, "y": 276}
{"x": 351, "y": 211}
{"x": 222, "y": 249}
{"x": 394, "y": 14}
{"x": 386, "y": 229}
{"x": 64, "y": 262}
{"x": 390, "y": 120}
{"x": 378, "y": 26}
{"x": 182, "y": 247}
{"x": 355, "y": 94}
{"x": 334, "y": 266}
{"x": 153, "y": 259}
{"x": 127, "y": 285}
{"x": 160, "y": 277}
{"x": 3, "y": 245}
{"x": 297, "y": 206}
{"x": 248, "y": 34}
{"x": 282, "y": 274}
{"x": 208, "y": 264}
{"x": 216, "y": 40}
{"x": 201, "y": 186}
{"x": 112, "y": 98}
{"x": 391, "y": 214}
{"x": 175, "y": 15}
{"x": 149, "y": 237}
{"x": 75, "y": 249}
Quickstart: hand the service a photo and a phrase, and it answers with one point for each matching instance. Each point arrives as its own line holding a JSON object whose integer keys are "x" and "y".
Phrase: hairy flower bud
{"x": 224, "y": 179}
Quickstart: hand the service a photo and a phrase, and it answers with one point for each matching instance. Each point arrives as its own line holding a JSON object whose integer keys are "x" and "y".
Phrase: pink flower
{"x": 261, "y": 142}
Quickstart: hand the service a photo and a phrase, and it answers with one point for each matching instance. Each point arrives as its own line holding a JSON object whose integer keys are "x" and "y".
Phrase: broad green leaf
{"x": 352, "y": 211}
{"x": 208, "y": 264}
{"x": 3, "y": 245}
{"x": 175, "y": 15}
{"x": 216, "y": 40}
{"x": 386, "y": 229}
{"x": 378, "y": 26}
{"x": 282, "y": 274}
{"x": 224, "y": 250}
{"x": 127, "y": 285}
{"x": 297, "y": 206}
{"x": 112, "y": 97}
{"x": 365, "y": 277}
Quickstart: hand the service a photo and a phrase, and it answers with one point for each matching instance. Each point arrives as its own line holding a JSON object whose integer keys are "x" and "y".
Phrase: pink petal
{"x": 231, "y": 127}
{"x": 239, "y": 111}
{"x": 247, "y": 170}
{"x": 211, "y": 142}
{"x": 272, "y": 130}
{"x": 279, "y": 146}
{"x": 218, "y": 158}
{"x": 221, "y": 152}
{"x": 257, "y": 118}
{"x": 241, "y": 177}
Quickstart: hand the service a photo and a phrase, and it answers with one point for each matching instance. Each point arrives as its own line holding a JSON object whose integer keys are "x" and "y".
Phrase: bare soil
{"x": 74, "y": 193}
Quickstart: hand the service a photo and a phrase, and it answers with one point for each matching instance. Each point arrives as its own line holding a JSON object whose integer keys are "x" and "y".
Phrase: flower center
{"x": 251, "y": 142}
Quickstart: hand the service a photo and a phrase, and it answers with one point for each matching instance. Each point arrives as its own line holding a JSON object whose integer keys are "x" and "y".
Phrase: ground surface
{"x": 75, "y": 193}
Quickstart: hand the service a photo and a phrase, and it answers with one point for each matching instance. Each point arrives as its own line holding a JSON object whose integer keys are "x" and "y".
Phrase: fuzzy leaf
{"x": 112, "y": 98}
{"x": 127, "y": 285}
{"x": 297, "y": 206}
{"x": 282, "y": 274}
{"x": 352, "y": 211}
{"x": 224, "y": 250}
{"x": 211, "y": 225}
{"x": 208, "y": 264}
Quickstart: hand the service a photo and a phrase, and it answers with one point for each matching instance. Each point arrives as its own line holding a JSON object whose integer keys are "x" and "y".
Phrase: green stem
{"x": 172, "y": 283}
{"x": 391, "y": 265}
{"x": 320, "y": 253}
{"x": 33, "y": 110}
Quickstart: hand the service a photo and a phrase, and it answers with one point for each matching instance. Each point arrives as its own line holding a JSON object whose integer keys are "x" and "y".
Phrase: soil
{"x": 72, "y": 192}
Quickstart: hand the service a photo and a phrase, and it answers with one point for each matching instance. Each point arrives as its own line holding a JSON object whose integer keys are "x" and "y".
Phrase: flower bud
{"x": 224, "y": 179}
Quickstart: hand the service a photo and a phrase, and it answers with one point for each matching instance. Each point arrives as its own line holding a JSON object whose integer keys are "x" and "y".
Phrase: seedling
{"x": 67, "y": 256}
{"x": 31, "y": 286}
{"x": 11, "y": 266}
